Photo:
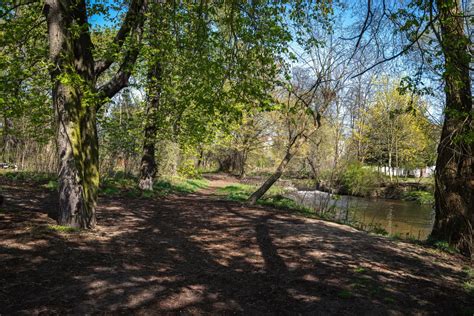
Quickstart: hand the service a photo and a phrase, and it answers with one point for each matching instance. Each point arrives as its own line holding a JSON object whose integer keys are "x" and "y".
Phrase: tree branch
{"x": 15, "y": 6}
{"x": 403, "y": 51}
{"x": 133, "y": 19}
{"x": 121, "y": 77}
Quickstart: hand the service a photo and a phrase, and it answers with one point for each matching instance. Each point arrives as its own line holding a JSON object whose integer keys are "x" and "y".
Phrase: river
{"x": 397, "y": 217}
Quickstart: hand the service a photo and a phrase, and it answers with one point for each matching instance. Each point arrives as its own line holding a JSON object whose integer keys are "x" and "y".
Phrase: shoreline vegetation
{"x": 277, "y": 197}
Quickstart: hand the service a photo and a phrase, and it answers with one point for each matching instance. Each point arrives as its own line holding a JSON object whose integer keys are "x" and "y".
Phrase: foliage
{"x": 443, "y": 246}
{"x": 422, "y": 197}
{"x": 359, "y": 179}
{"x": 396, "y": 131}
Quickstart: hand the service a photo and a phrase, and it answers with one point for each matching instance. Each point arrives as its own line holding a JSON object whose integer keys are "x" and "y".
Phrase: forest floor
{"x": 200, "y": 254}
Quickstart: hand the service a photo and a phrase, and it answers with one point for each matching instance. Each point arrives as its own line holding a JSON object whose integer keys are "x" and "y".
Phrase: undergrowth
{"x": 469, "y": 283}
{"x": 121, "y": 185}
{"x": 128, "y": 186}
{"x": 422, "y": 197}
{"x": 27, "y": 176}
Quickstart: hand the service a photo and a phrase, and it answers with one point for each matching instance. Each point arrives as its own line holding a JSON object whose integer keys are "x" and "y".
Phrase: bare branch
{"x": 403, "y": 51}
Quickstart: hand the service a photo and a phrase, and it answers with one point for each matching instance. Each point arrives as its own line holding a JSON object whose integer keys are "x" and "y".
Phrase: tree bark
{"x": 73, "y": 80}
{"x": 271, "y": 180}
{"x": 454, "y": 181}
{"x": 148, "y": 163}
{"x": 76, "y": 100}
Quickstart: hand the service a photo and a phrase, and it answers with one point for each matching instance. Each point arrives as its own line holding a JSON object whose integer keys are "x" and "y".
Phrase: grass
{"x": 274, "y": 197}
{"x": 469, "y": 283}
{"x": 63, "y": 229}
{"x": 115, "y": 186}
{"x": 27, "y": 175}
{"x": 51, "y": 185}
{"x": 443, "y": 246}
{"x": 128, "y": 186}
{"x": 359, "y": 270}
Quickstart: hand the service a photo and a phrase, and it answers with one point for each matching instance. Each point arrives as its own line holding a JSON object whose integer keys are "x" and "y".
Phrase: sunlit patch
{"x": 310, "y": 278}
{"x": 298, "y": 295}
{"x": 186, "y": 296}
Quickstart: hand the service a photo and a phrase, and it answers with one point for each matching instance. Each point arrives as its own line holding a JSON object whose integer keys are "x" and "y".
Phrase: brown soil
{"x": 198, "y": 254}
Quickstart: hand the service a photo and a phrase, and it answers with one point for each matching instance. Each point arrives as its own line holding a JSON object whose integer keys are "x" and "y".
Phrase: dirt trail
{"x": 197, "y": 254}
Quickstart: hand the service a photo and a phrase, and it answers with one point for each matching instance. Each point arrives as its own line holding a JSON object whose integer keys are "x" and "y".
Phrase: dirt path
{"x": 197, "y": 254}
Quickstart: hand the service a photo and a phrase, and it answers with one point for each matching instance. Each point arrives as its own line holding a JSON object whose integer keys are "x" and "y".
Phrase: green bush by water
{"x": 359, "y": 180}
{"x": 421, "y": 197}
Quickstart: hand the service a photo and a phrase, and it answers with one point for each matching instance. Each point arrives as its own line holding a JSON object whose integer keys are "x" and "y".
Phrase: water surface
{"x": 397, "y": 217}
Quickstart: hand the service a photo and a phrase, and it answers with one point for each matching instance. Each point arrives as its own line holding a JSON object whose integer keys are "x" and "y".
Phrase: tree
{"x": 304, "y": 101}
{"x": 245, "y": 138}
{"x": 76, "y": 98}
{"x": 454, "y": 184}
{"x": 395, "y": 130}
{"x": 303, "y": 109}
{"x": 25, "y": 104}
{"x": 215, "y": 62}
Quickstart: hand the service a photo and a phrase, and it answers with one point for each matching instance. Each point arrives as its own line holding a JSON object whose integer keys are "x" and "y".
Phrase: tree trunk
{"x": 148, "y": 164}
{"x": 73, "y": 83}
{"x": 390, "y": 165}
{"x": 454, "y": 182}
{"x": 272, "y": 179}
{"x": 243, "y": 161}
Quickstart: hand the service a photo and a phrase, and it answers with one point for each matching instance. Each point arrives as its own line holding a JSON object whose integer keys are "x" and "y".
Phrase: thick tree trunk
{"x": 73, "y": 83}
{"x": 148, "y": 163}
{"x": 78, "y": 164}
{"x": 454, "y": 181}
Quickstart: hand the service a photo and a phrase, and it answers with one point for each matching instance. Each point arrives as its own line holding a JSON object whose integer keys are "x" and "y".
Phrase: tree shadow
{"x": 197, "y": 255}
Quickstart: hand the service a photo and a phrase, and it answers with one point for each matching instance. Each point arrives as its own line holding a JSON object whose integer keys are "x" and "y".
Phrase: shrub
{"x": 421, "y": 197}
{"x": 359, "y": 180}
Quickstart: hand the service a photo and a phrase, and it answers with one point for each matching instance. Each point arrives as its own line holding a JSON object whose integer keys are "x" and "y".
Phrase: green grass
{"x": 190, "y": 185}
{"x": 444, "y": 246}
{"x": 469, "y": 283}
{"x": 27, "y": 175}
{"x": 359, "y": 270}
{"x": 237, "y": 191}
{"x": 51, "y": 185}
{"x": 274, "y": 197}
{"x": 120, "y": 185}
{"x": 63, "y": 229}
{"x": 127, "y": 186}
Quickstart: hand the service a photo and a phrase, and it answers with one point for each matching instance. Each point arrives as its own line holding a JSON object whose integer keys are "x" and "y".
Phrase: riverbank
{"x": 201, "y": 254}
{"x": 400, "y": 219}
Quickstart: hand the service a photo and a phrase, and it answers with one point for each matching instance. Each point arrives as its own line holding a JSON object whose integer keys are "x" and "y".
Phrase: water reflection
{"x": 397, "y": 217}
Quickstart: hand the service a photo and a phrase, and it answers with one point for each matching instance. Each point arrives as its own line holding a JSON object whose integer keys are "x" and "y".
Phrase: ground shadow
{"x": 199, "y": 255}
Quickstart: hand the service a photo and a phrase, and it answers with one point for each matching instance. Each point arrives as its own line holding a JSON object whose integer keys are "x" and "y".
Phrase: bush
{"x": 421, "y": 197}
{"x": 359, "y": 180}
